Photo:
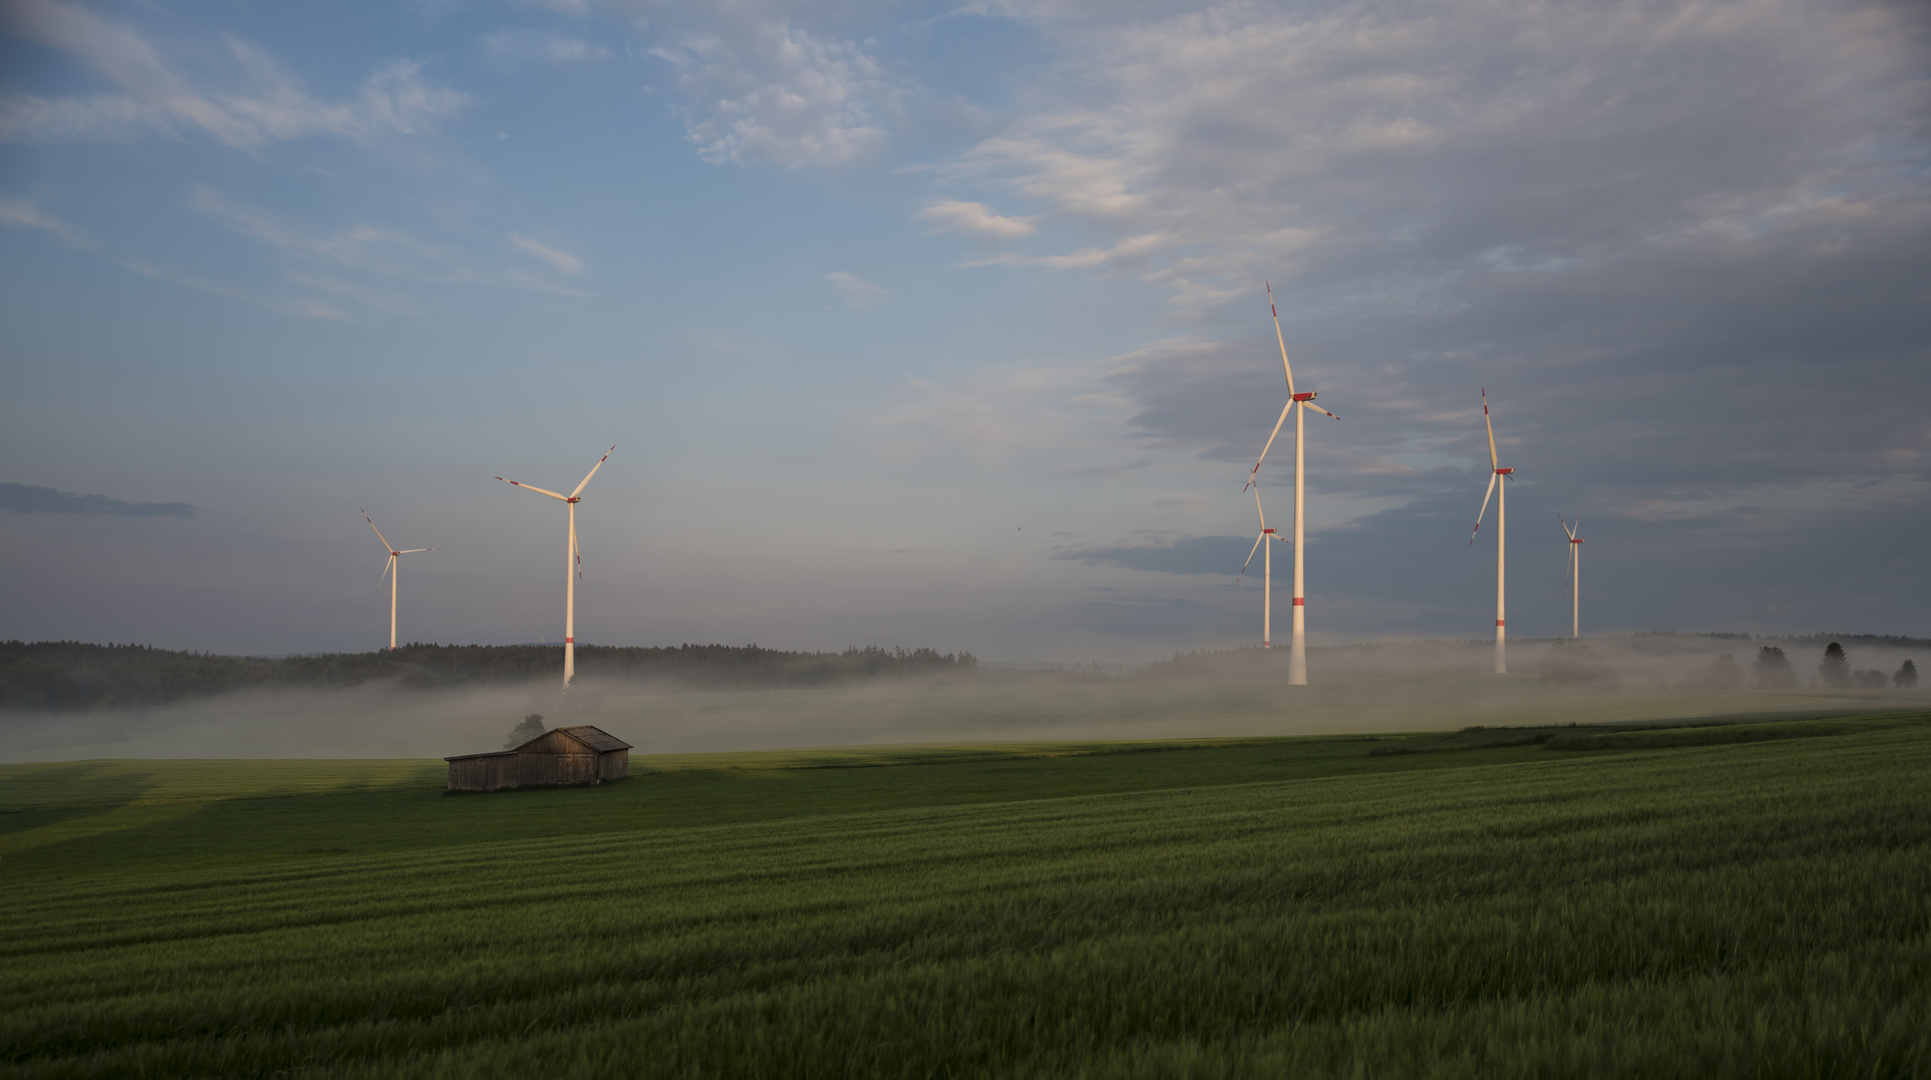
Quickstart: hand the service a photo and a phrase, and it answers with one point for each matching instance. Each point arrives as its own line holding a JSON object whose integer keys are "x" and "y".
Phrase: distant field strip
{"x": 1759, "y": 909}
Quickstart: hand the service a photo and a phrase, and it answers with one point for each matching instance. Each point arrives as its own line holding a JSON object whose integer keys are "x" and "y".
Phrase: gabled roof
{"x": 595, "y": 738}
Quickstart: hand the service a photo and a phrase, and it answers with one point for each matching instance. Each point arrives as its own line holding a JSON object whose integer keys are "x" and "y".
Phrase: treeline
{"x": 72, "y": 675}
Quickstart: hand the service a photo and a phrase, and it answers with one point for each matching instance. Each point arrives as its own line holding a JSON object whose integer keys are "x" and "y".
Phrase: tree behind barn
{"x": 526, "y": 729}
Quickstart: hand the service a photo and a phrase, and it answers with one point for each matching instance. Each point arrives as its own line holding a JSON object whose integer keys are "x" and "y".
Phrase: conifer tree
{"x": 1906, "y": 677}
{"x": 1836, "y": 669}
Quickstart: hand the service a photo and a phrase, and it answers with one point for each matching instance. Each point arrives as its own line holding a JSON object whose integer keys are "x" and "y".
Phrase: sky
{"x": 942, "y": 325}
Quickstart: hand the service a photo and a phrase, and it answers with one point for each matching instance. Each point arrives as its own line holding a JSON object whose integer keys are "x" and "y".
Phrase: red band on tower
{"x": 1298, "y": 602}
{"x": 1499, "y": 622}
{"x": 569, "y": 641}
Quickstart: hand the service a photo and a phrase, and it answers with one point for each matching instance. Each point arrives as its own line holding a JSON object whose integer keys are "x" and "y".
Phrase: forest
{"x": 70, "y": 676}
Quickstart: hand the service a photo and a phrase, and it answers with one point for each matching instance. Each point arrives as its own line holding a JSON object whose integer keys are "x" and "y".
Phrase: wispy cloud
{"x": 759, "y": 87}
{"x": 859, "y": 294}
{"x": 23, "y": 214}
{"x": 34, "y": 499}
{"x": 1166, "y": 555}
{"x": 260, "y": 102}
{"x": 174, "y": 275}
{"x": 514, "y": 48}
{"x": 562, "y": 260}
{"x": 976, "y": 219}
{"x": 381, "y": 252}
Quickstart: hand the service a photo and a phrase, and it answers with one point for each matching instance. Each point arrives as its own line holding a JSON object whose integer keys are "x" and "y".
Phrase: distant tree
{"x": 1722, "y": 674}
{"x": 526, "y": 729}
{"x": 1578, "y": 667}
{"x": 1835, "y": 671}
{"x": 1773, "y": 670}
{"x": 1906, "y": 677}
{"x": 1872, "y": 679}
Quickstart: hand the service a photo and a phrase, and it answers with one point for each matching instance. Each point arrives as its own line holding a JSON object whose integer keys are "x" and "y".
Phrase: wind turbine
{"x": 1297, "y": 646}
{"x": 1575, "y": 576}
{"x": 1497, "y": 475}
{"x": 391, "y": 569}
{"x": 1267, "y": 565}
{"x": 573, "y": 569}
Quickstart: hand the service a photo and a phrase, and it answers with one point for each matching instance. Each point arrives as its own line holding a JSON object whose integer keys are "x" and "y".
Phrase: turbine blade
{"x": 412, "y": 551}
{"x": 1571, "y": 533}
{"x": 1285, "y": 367}
{"x": 384, "y": 576}
{"x": 1250, "y": 558}
{"x": 538, "y": 490}
{"x": 378, "y": 532}
{"x": 593, "y": 472}
{"x": 1492, "y": 478}
{"x": 576, "y": 552}
{"x": 1270, "y": 441}
{"x": 1318, "y": 409}
{"x": 1492, "y": 462}
{"x": 1257, "y": 507}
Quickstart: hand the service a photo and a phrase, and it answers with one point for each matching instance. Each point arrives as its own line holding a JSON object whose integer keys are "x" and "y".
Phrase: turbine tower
{"x": 573, "y": 568}
{"x": 1498, "y": 475}
{"x": 1575, "y": 576}
{"x": 1267, "y": 571}
{"x": 390, "y": 569}
{"x": 1296, "y": 404}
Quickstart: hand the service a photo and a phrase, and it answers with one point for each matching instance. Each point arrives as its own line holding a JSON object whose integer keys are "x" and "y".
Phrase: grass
{"x": 1671, "y": 905}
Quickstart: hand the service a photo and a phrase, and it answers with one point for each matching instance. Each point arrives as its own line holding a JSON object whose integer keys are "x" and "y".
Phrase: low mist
{"x": 1357, "y": 689}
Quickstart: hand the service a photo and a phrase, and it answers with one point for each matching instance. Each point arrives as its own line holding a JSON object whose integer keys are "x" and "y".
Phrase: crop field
{"x": 1723, "y": 899}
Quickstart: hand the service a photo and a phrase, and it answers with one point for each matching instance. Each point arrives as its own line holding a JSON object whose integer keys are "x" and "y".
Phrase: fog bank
{"x": 1357, "y": 689}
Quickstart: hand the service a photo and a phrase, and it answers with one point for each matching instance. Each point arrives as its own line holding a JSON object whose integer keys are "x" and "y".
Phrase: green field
{"x": 1745, "y": 899}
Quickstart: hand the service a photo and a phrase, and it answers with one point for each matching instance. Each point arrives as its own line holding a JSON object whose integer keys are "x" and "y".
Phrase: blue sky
{"x": 942, "y": 325}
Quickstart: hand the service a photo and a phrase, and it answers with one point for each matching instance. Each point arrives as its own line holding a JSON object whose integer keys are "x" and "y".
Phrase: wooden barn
{"x": 561, "y": 756}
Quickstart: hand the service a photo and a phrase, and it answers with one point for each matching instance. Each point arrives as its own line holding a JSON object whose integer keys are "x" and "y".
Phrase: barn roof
{"x": 593, "y": 737}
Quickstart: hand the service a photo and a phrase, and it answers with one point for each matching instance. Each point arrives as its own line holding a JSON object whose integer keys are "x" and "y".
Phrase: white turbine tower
{"x": 1575, "y": 575}
{"x": 391, "y": 569}
{"x": 573, "y": 568}
{"x": 1267, "y": 571}
{"x": 1497, "y": 476}
{"x": 1297, "y": 646}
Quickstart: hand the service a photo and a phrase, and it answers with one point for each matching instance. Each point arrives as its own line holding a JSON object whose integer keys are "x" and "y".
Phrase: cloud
{"x": 1180, "y": 555}
{"x": 33, "y": 499}
{"x": 1220, "y": 144}
{"x": 258, "y": 103}
{"x": 976, "y": 219}
{"x": 860, "y": 294}
{"x": 23, "y": 214}
{"x": 562, "y": 260}
{"x": 759, "y": 87}
{"x": 174, "y": 275}
{"x": 514, "y": 48}
{"x": 379, "y": 252}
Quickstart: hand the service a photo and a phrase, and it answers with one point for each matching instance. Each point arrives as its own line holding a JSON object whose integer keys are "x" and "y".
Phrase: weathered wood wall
{"x": 554, "y": 759}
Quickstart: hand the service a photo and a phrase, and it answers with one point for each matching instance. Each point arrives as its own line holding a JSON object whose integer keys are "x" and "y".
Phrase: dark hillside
{"x": 73, "y": 676}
